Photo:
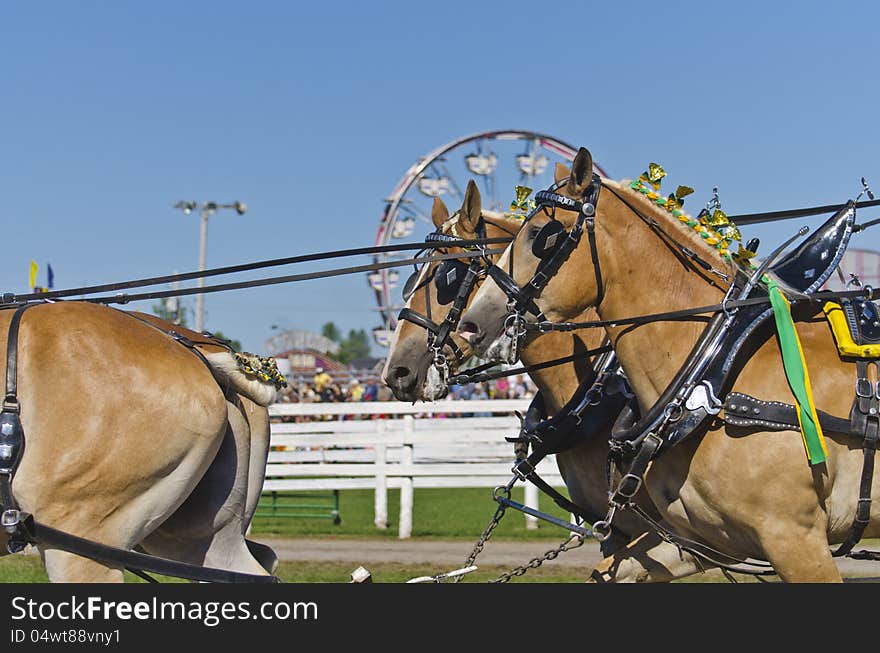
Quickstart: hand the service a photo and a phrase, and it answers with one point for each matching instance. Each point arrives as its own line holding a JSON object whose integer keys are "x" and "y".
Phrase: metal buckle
{"x": 865, "y": 394}
{"x": 516, "y": 469}
{"x": 10, "y": 520}
{"x": 623, "y": 480}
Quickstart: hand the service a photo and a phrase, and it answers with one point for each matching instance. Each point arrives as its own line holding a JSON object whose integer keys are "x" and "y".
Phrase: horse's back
{"x": 114, "y": 413}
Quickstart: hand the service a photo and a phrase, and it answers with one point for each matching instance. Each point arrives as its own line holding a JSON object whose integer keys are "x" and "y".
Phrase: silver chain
{"x": 487, "y": 533}
{"x": 573, "y": 542}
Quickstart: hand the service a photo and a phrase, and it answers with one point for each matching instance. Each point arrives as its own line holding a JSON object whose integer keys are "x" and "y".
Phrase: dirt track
{"x": 449, "y": 554}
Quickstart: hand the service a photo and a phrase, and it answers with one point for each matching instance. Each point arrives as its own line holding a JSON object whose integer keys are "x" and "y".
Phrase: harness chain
{"x": 537, "y": 561}
{"x": 500, "y": 511}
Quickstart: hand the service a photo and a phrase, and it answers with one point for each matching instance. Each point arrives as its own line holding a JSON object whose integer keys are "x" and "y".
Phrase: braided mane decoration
{"x": 716, "y": 229}
{"x": 265, "y": 369}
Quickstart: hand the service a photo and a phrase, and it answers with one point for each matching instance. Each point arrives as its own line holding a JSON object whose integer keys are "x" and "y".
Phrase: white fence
{"x": 401, "y": 446}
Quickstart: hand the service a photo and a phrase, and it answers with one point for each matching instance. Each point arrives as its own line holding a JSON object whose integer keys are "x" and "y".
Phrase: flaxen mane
{"x": 672, "y": 223}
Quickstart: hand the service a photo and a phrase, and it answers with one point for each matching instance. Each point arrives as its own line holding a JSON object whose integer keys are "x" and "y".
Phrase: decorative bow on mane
{"x": 714, "y": 228}
{"x": 521, "y": 205}
{"x": 265, "y": 369}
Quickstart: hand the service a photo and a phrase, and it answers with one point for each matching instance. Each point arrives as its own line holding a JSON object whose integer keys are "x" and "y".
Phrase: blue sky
{"x": 310, "y": 112}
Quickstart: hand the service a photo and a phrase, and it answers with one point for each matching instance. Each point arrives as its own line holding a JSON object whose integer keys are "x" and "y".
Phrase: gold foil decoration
{"x": 520, "y": 203}
{"x": 719, "y": 219}
{"x": 730, "y": 232}
{"x": 653, "y": 175}
{"x": 683, "y": 191}
{"x": 743, "y": 256}
{"x": 676, "y": 199}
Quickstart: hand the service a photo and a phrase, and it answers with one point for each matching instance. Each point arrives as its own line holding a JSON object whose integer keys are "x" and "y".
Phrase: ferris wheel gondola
{"x": 498, "y": 160}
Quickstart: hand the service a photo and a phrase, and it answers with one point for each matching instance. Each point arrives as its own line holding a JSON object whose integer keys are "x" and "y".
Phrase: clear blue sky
{"x": 311, "y": 112}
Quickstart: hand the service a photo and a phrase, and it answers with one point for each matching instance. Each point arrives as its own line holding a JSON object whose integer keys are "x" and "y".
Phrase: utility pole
{"x": 207, "y": 210}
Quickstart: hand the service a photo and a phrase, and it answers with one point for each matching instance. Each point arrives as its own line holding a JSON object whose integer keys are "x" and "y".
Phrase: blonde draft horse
{"x": 747, "y": 493}
{"x": 582, "y": 467}
{"x": 132, "y": 441}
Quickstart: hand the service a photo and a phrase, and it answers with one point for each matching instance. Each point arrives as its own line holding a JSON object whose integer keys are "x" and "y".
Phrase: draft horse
{"x": 745, "y": 490}
{"x": 432, "y": 303}
{"x": 133, "y": 440}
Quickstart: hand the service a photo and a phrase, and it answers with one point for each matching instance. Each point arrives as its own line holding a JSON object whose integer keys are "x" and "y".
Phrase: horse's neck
{"x": 558, "y": 383}
{"x": 642, "y": 276}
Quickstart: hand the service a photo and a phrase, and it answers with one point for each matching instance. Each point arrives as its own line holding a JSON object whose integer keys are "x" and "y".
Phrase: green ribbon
{"x": 796, "y": 373}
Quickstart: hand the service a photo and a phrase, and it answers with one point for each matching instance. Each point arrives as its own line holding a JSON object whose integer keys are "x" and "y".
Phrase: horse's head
{"x": 425, "y": 340}
{"x": 547, "y": 270}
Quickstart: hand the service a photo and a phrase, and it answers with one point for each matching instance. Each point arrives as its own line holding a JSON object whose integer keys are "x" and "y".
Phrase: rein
{"x": 866, "y": 292}
{"x": 12, "y": 298}
{"x": 477, "y": 374}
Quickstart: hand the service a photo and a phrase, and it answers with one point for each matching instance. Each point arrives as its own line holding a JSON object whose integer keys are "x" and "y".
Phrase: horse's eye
{"x": 533, "y": 232}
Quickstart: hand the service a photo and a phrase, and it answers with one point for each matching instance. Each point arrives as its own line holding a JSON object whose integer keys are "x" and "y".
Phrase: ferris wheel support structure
{"x": 431, "y": 177}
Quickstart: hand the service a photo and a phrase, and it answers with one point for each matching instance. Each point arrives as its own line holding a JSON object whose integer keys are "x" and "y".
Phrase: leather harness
{"x": 691, "y": 398}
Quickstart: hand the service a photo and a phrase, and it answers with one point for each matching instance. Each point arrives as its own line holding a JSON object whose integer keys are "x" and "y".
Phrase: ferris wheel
{"x": 498, "y": 160}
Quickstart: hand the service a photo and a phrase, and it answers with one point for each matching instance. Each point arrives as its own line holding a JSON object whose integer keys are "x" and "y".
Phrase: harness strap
{"x": 11, "y": 433}
{"x": 477, "y": 375}
{"x": 865, "y": 411}
{"x": 594, "y": 255}
{"x": 866, "y": 293}
{"x": 631, "y": 482}
{"x": 432, "y": 327}
{"x": 10, "y": 400}
{"x": 46, "y": 536}
{"x": 554, "y": 435}
{"x": 702, "y": 551}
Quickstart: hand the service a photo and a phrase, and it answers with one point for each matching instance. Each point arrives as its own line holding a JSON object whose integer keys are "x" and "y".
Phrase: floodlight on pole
{"x": 207, "y": 210}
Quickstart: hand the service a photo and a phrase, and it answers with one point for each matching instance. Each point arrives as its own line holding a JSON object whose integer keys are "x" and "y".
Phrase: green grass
{"x": 29, "y": 569}
{"x": 437, "y": 513}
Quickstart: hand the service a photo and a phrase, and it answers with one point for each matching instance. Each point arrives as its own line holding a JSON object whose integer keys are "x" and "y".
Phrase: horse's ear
{"x": 439, "y": 213}
{"x": 581, "y": 173}
{"x": 471, "y": 208}
{"x": 561, "y": 173}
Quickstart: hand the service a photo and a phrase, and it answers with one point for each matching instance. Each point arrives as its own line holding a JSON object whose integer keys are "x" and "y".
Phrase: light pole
{"x": 207, "y": 210}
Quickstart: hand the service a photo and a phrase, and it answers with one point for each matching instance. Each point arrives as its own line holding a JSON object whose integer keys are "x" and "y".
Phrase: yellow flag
{"x": 33, "y": 276}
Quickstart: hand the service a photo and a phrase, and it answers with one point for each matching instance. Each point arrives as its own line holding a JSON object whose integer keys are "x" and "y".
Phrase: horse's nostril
{"x": 401, "y": 372}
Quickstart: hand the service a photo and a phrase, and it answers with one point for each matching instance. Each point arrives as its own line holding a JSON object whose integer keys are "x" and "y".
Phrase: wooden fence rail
{"x": 382, "y": 445}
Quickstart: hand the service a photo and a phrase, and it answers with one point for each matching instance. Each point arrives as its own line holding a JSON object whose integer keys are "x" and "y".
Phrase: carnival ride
{"x": 498, "y": 159}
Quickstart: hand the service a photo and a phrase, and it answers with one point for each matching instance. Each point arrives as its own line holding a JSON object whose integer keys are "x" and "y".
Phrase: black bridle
{"x": 552, "y": 248}
{"x": 449, "y": 277}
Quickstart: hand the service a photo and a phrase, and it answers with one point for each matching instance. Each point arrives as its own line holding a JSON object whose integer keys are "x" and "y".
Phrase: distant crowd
{"x": 323, "y": 388}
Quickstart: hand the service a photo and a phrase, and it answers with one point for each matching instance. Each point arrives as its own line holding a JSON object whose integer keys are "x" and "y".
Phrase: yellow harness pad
{"x": 846, "y": 346}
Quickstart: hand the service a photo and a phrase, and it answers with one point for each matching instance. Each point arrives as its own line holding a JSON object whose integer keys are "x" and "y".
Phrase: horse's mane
{"x": 495, "y": 216}
{"x": 670, "y": 222}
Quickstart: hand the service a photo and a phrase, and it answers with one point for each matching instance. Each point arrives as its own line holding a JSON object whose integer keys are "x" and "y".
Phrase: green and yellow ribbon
{"x": 798, "y": 378}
